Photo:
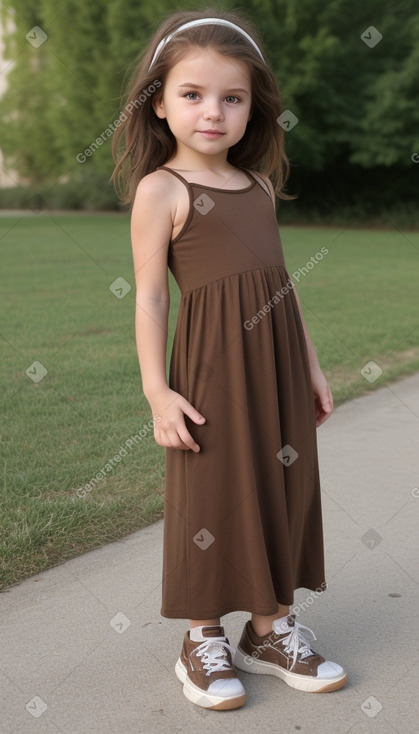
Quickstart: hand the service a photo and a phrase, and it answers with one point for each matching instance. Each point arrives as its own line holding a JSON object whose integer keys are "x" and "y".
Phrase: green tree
{"x": 355, "y": 101}
{"x": 351, "y": 99}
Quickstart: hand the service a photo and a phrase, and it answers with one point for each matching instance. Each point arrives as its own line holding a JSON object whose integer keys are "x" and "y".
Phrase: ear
{"x": 158, "y": 107}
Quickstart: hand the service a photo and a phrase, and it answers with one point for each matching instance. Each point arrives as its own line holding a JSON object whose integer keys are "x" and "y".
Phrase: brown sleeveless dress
{"x": 242, "y": 518}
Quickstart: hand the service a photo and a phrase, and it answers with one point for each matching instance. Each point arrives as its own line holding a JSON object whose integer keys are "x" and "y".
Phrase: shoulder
{"x": 267, "y": 181}
{"x": 162, "y": 202}
{"x": 156, "y": 185}
{"x": 157, "y": 192}
{"x": 152, "y": 209}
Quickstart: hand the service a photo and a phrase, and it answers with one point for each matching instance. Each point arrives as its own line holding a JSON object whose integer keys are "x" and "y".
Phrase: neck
{"x": 189, "y": 160}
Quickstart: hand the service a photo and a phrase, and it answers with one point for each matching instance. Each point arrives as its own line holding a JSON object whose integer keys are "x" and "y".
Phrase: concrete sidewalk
{"x": 84, "y": 649}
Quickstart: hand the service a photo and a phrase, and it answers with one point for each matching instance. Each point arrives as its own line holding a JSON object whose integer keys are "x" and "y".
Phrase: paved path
{"x": 84, "y": 649}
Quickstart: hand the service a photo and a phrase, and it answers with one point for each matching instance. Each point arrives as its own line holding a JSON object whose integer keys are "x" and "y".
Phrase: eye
{"x": 192, "y": 96}
{"x": 232, "y": 99}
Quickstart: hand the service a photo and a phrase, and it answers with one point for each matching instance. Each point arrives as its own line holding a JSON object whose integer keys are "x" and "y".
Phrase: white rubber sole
{"x": 200, "y": 698}
{"x": 300, "y": 682}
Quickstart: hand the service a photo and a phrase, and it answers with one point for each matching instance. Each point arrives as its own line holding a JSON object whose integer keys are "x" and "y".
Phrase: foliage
{"x": 356, "y": 104}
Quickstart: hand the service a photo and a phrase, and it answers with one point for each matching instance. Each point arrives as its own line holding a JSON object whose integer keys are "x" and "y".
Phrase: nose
{"x": 213, "y": 110}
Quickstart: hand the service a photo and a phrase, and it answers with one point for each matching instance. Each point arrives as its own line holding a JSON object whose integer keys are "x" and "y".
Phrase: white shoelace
{"x": 214, "y": 656}
{"x": 297, "y": 642}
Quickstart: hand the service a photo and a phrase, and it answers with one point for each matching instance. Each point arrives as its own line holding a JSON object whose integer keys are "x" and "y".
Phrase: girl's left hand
{"x": 323, "y": 397}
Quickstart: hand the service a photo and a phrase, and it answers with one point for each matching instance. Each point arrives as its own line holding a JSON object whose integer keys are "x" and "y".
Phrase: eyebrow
{"x": 198, "y": 86}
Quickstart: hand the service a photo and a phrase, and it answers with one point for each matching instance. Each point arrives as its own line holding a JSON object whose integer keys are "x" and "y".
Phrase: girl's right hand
{"x": 171, "y": 430}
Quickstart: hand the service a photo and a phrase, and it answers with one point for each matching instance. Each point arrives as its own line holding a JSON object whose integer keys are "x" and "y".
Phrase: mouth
{"x": 211, "y": 133}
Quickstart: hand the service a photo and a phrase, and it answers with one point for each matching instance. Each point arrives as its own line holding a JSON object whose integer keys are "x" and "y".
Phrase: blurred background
{"x": 348, "y": 70}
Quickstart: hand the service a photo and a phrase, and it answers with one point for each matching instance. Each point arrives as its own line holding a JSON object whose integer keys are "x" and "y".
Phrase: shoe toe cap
{"x": 226, "y": 687}
{"x": 329, "y": 670}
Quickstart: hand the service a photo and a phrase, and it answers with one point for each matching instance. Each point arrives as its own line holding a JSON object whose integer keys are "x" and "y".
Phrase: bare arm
{"x": 321, "y": 389}
{"x": 151, "y": 228}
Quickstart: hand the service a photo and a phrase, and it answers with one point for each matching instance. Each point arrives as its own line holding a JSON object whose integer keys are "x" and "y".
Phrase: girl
{"x": 238, "y": 417}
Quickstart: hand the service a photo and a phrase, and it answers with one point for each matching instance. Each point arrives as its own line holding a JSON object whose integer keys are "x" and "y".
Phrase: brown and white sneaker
{"x": 286, "y": 653}
{"x": 206, "y": 669}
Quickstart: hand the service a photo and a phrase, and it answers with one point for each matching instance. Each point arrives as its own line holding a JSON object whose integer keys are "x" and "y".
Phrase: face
{"x": 206, "y": 102}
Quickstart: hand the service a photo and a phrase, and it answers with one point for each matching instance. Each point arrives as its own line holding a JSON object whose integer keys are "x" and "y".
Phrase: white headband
{"x": 203, "y": 21}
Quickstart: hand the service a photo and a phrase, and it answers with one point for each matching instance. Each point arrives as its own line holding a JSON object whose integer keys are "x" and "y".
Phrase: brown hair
{"x": 142, "y": 141}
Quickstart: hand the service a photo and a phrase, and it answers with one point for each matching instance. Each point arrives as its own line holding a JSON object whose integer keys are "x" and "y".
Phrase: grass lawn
{"x": 360, "y": 303}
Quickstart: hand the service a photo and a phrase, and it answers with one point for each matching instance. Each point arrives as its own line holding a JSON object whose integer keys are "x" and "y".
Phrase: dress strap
{"x": 261, "y": 182}
{"x": 252, "y": 176}
{"x": 175, "y": 173}
{"x": 190, "y": 194}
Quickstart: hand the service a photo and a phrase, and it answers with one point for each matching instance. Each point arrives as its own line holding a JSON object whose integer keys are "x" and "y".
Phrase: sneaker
{"x": 286, "y": 653}
{"x": 206, "y": 669}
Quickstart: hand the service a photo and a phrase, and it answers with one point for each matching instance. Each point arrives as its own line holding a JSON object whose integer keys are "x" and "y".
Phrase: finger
{"x": 324, "y": 402}
{"x": 187, "y": 439}
{"x": 175, "y": 441}
{"x": 330, "y": 398}
{"x": 192, "y": 413}
{"x": 163, "y": 440}
{"x": 320, "y": 413}
{"x": 321, "y": 417}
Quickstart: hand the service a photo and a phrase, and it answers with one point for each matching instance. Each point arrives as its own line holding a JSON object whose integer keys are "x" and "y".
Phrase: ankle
{"x": 204, "y": 623}
{"x": 263, "y": 626}
{"x": 260, "y": 630}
